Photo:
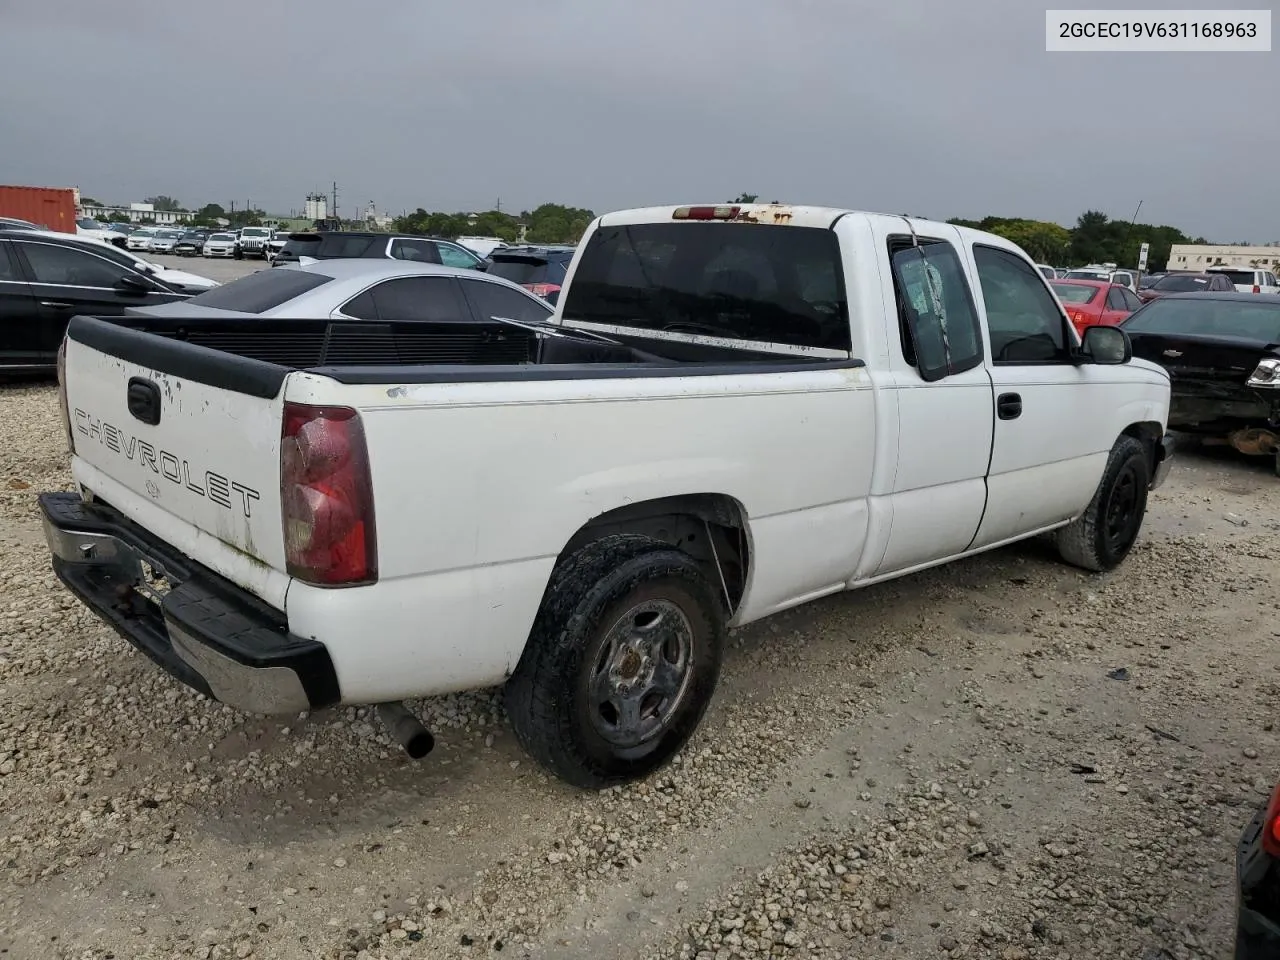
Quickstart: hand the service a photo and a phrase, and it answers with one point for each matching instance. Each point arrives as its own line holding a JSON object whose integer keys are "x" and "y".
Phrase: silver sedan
{"x": 378, "y": 290}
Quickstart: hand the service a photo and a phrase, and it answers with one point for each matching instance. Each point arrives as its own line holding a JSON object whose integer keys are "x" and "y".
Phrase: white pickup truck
{"x": 736, "y": 409}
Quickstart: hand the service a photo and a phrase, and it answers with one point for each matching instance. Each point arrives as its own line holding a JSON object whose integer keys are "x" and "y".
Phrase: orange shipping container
{"x": 51, "y": 207}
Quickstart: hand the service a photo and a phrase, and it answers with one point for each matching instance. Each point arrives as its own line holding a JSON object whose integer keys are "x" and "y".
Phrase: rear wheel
{"x": 1104, "y": 534}
{"x": 621, "y": 663}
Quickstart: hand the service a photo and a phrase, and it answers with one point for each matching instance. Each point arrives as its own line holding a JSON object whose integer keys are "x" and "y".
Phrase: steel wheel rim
{"x": 641, "y": 673}
{"x": 1122, "y": 508}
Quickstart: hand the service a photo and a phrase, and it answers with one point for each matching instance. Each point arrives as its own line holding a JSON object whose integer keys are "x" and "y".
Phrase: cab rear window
{"x": 765, "y": 284}
{"x": 260, "y": 291}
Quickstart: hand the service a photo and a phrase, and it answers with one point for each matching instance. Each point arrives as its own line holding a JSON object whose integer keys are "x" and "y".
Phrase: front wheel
{"x": 1101, "y": 537}
{"x": 621, "y": 663}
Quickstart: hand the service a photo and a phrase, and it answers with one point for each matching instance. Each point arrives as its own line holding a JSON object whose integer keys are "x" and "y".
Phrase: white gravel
{"x": 938, "y": 767}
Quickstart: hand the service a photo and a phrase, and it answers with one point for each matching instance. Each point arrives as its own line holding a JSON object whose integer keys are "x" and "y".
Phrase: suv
{"x": 540, "y": 270}
{"x": 344, "y": 245}
{"x": 1249, "y": 279}
{"x": 253, "y": 242}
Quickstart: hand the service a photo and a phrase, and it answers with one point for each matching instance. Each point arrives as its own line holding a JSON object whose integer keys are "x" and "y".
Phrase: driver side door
{"x": 1047, "y": 455}
{"x": 68, "y": 280}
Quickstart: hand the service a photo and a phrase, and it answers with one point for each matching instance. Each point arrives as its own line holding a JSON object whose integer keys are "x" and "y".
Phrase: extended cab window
{"x": 937, "y": 320}
{"x": 1026, "y": 323}
{"x": 740, "y": 281}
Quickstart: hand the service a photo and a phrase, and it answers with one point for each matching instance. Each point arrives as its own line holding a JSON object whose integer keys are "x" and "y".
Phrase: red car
{"x": 1093, "y": 303}
{"x": 1258, "y": 886}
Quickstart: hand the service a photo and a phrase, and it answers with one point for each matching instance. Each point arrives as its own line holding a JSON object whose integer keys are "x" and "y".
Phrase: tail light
{"x": 1271, "y": 827}
{"x": 63, "y": 405}
{"x": 543, "y": 290}
{"x": 327, "y": 497}
{"x": 1256, "y": 288}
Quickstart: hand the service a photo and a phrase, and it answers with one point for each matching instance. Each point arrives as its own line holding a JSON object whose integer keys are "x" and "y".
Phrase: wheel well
{"x": 710, "y": 527}
{"x": 1149, "y": 433}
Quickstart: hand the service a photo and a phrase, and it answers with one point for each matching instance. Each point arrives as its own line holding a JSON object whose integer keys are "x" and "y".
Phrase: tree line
{"x": 548, "y": 223}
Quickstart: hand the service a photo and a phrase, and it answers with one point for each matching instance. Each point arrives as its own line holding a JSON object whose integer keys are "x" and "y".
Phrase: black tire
{"x": 568, "y": 698}
{"x": 1101, "y": 537}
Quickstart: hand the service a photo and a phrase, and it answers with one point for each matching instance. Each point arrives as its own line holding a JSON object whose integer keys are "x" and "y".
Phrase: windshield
{"x": 1086, "y": 275}
{"x": 88, "y": 223}
{"x": 260, "y": 291}
{"x": 1209, "y": 317}
{"x": 1176, "y": 283}
{"x": 527, "y": 270}
{"x": 1242, "y": 277}
{"x": 223, "y": 238}
{"x": 771, "y": 284}
{"x": 255, "y": 232}
{"x": 1074, "y": 293}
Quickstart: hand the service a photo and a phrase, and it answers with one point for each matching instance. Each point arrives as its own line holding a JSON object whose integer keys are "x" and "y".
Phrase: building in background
{"x": 317, "y": 207}
{"x": 1197, "y": 257}
{"x": 136, "y": 212}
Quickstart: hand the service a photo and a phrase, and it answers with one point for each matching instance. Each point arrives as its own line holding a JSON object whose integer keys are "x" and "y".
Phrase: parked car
{"x": 376, "y": 290}
{"x": 163, "y": 241}
{"x": 219, "y": 245}
{"x": 253, "y": 241}
{"x": 191, "y": 243}
{"x": 1187, "y": 283}
{"x": 140, "y": 239}
{"x": 178, "y": 280}
{"x": 276, "y": 244}
{"x": 90, "y": 229}
{"x": 1249, "y": 280}
{"x": 540, "y": 270}
{"x": 1049, "y": 272}
{"x": 11, "y": 223}
{"x": 118, "y": 234}
{"x": 1148, "y": 279}
{"x": 482, "y": 246}
{"x": 1092, "y": 302}
{"x": 1258, "y": 885}
{"x": 1222, "y": 351}
{"x": 701, "y": 440}
{"x": 329, "y": 245}
{"x": 1126, "y": 278}
{"x": 46, "y": 278}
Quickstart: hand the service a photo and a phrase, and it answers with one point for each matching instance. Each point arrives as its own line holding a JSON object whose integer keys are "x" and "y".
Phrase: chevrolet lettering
{"x": 221, "y": 490}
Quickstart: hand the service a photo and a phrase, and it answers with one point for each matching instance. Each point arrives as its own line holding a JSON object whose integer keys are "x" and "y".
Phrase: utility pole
{"x": 498, "y": 205}
{"x": 1125, "y": 242}
{"x": 335, "y": 200}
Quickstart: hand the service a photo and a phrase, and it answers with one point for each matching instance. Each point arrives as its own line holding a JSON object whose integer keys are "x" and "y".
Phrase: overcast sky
{"x": 938, "y": 108}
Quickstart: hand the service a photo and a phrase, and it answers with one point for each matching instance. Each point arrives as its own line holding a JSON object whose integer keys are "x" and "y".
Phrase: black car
{"x": 343, "y": 245}
{"x": 1222, "y": 351}
{"x": 46, "y": 280}
{"x": 191, "y": 243}
{"x": 1258, "y": 886}
{"x": 540, "y": 270}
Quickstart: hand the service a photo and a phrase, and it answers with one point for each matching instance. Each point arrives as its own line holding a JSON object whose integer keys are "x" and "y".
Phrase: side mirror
{"x": 130, "y": 283}
{"x": 1106, "y": 345}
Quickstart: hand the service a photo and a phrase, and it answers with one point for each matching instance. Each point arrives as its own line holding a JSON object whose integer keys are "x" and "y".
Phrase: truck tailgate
{"x": 185, "y": 441}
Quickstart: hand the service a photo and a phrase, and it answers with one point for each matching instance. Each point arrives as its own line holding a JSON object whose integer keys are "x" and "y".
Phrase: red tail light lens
{"x": 327, "y": 497}
{"x": 542, "y": 289}
{"x": 63, "y": 405}
{"x": 1271, "y": 827}
{"x": 1256, "y": 288}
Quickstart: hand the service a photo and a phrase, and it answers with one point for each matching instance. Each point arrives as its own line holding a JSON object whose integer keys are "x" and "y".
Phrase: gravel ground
{"x": 945, "y": 766}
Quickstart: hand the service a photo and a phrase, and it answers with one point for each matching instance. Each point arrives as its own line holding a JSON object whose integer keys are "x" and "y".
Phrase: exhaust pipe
{"x": 406, "y": 729}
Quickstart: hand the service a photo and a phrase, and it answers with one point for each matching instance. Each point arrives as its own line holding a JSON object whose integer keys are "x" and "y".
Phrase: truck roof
{"x": 777, "y": 214}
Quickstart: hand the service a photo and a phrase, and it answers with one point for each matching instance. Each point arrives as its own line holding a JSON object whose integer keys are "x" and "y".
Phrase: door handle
{"x": 1009, "y": 406}
{"x": 56, "y": 304}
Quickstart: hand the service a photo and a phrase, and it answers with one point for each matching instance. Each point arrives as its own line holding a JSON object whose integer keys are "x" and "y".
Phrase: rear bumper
{"x": 1164, "y": 461}
{"x": 203, "y": 630}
